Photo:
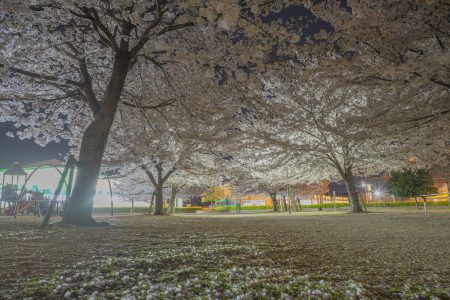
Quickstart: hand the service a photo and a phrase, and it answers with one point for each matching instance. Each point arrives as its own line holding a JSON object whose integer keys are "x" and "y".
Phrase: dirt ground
{"x": 388, "y": 253}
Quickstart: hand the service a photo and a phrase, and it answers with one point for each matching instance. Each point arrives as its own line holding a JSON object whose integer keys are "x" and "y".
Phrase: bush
{"x": 233, "y": 208}
{"x": 407, "y": 203}
{"x": 325, "y": 205}
{"x": 380, "y": 204}
{"x": 186, "y": 209}
{"x": 139, "y": 210}
{"x": 119, "y": 210}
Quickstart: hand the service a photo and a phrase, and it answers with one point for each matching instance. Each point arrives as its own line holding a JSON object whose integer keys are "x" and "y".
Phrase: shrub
{"x": 233, "y": 208}
{"x": 406, "y": 203}
{"x": 139, "y": 210}
{"x": 325, "y": 205}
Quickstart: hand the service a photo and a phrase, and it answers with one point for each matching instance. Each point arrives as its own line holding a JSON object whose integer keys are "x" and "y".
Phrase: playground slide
{"x": 22, "y": 206}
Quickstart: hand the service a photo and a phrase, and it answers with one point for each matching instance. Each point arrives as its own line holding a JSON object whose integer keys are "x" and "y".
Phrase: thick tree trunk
{"x": 293, "y": 201}
{"x": 93, "y": 146}
{"x": 352, "y": 192}
{"x": 159, "y": 200}
{"x": 285, "y": 207}
{"x": 273, "y": 196}
{"x": 171, "y": 208}
{"x": 152, "y": 201}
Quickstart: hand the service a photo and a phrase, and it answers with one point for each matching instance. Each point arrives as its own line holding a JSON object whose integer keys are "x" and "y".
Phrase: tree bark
{"x": 159, "y": 200}
{"x": 293, "y": 201}
{"x": 447, "y": 181}
{"x": 171, "y": 209}
{"x": 158, "y": 183}
{"x": 352, "y": 191}
{"x": 299, "y": 204}
{"x": 273, "y": 196}
{"x": 417, "y": 203}
{"x": 93, "y": 146}
{"x": 285, "y": 207}
{"x": 152, "y": 201}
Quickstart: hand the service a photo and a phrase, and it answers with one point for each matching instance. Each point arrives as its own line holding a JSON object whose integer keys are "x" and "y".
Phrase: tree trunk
{"x": 417, "y": 203}
{"x": 299, "y": 203}
{"x": 285, "y": 207}
{"x": 293, "y": 201}
{"x": 447, "y": 181}
{"x": 91, "y": 153}
{"x": 171, "y": 208}
{"x": 352, "y": 192}
{"x": 93, "y": 146}
{"x": 159, "y": 200}
{"x": 152, "y": 201}
{"x": 158, "y": 183}
{"x": 273, "y": 196}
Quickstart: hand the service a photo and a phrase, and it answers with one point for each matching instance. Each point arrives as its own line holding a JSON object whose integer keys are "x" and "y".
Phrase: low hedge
{"x": 139, "y": 210}
{"x": 186, "y": 209}
{"x": 380, "y": 204}
{"x": 119, "y": 210}
{"x": 325, "y": 205}
{"x": 406, "y": 203}
{"x": 234, "y": 207}
{"x": 144, "y": 210}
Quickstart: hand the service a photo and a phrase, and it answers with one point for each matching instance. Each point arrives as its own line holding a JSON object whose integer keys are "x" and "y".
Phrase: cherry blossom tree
{"x": 66, "y": 65}
{"x": 76, "y": 56}
{"x": 317, "y": 90}
{"x": 322, "y": 131}
{"x": 169, "y": 144}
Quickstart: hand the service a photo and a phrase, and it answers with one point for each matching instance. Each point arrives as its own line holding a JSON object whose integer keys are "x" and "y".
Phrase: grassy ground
{"x": 388, "y": 253}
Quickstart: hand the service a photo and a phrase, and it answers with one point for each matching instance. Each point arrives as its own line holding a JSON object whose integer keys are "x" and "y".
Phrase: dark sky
{"x": 26, "y": 151}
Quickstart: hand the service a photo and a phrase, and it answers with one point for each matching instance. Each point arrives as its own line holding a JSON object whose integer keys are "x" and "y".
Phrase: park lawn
{"x": 389, "y": 253}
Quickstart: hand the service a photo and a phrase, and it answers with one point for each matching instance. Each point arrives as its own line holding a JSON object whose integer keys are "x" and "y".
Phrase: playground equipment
{"x": 21, "y": 207}
{"x": 11, "y": 192}
{"x": 16, "y": 196}
{"x": 16, "y": 199}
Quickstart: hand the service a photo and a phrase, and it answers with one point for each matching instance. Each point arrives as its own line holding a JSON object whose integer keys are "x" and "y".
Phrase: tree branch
{"x": 52, "y": 78}
{"x": 162, "y": 104}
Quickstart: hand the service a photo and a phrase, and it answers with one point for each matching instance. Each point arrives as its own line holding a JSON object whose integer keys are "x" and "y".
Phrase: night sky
{"x": 26, "y": 151}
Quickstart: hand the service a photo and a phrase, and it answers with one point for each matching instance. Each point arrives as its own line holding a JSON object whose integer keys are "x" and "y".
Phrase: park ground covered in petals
{"x": 388, "y": 253}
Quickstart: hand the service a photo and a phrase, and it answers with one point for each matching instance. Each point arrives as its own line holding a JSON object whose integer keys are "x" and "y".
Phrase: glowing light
{"x": 378, "y": 192}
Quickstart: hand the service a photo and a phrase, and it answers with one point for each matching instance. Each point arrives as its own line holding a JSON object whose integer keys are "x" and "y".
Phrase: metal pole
{"x": 16, "y": 202}
{"x": 110, "y": 196}
{"x": 334, "y": 200}
{"x": 70, "y": 163}
{"x": 69, "y": 189}
{"x": 1, "y": 196}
